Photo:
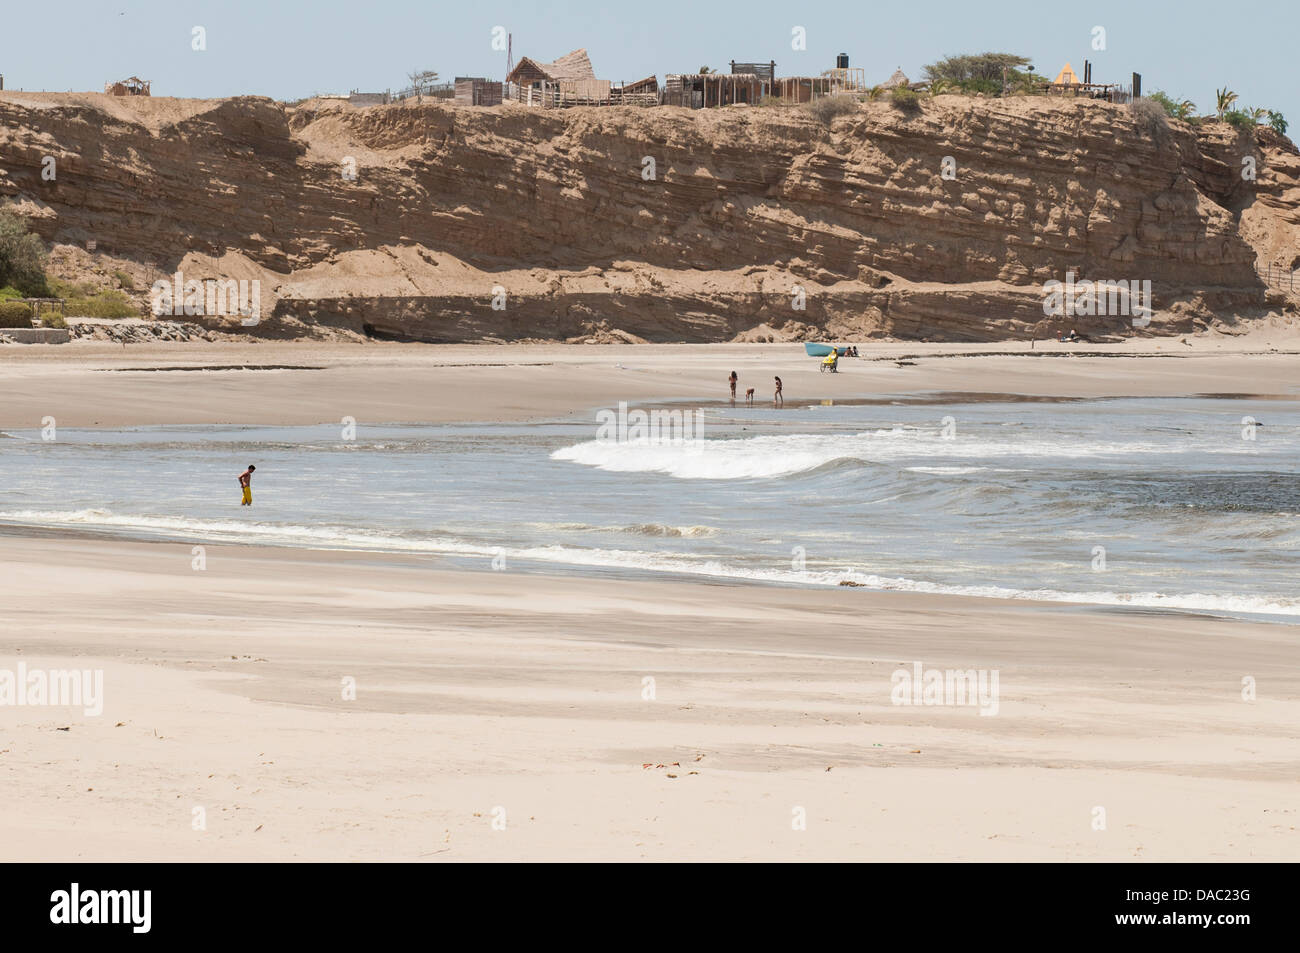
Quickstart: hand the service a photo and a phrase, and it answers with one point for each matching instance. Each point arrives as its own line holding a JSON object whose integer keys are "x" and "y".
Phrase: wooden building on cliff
{"x": 702, "y": 90}
{"x": 477, "y": 91}
{"x": 568, "y": 81}
{"x": 1070, "y": 83}
{"x": 131, "y": 86}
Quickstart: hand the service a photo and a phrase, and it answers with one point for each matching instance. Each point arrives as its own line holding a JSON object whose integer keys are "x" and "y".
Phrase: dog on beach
{"x": 749, "y": 397}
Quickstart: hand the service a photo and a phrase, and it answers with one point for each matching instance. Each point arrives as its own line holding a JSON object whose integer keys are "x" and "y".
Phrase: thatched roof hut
{"x": 575, "y": 65}
{"x": 570, "y": 66}
{"x": 648, "y": 85}
{"x": 899, "y": 78}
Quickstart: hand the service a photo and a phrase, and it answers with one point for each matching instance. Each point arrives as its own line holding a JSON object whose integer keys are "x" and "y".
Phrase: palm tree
{"x": 1225, "y": 98}
{"x": 1257, "y": 115}
{"x": 705, "y": 71}
{"x": 874, "y": 93}
{"x": 938, "y": 87}
{"x": 1184, "y": 109}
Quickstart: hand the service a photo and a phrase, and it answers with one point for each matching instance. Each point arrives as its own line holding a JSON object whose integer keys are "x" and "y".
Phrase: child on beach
{"x": 246, "y": 481}
{"x": 777, "y": 398}
{"x": 733, "y": 379}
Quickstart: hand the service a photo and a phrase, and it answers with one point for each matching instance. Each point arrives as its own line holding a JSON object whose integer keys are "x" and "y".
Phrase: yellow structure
{"x": 1067, "y": 77}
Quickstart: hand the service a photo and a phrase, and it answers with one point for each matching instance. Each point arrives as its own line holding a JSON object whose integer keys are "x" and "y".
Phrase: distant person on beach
{"x": 246, "y": 481}
{"x": 733, "y": 380}
{"x": 777, "y": 398}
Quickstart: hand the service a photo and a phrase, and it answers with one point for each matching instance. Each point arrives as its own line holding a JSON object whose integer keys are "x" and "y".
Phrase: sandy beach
{"x": 508, "y": 716}
{"x": 482, "y": 691}
{"x": 101, "y": 385}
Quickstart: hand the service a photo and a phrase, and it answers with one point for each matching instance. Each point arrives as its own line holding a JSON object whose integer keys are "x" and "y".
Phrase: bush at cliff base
{"x": 15, "y": 314}
{"x": 22, "y": 256}
{"x": 105, "y": 304}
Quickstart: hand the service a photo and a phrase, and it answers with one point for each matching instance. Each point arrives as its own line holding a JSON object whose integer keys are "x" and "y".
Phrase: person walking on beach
{"x": 778, "y": 399}
{"x": 733, "y": 380}
{"x": 246, "y": 481}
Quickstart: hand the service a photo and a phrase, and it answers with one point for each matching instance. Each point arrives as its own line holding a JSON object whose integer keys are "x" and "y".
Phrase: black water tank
{"x": 842, "y": 61}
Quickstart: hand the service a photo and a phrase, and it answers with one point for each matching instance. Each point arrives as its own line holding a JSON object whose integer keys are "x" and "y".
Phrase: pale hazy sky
{"x": 288, "y": 50}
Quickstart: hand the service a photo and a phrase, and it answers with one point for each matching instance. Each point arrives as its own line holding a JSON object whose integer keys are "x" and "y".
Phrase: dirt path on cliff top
{"x": 96, "y": 384}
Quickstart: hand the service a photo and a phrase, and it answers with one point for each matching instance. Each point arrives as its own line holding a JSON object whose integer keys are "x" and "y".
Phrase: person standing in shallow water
{"x": 778, "y": 399}
{"x": 733, "y": 380}
{"x": 246, "y": 482}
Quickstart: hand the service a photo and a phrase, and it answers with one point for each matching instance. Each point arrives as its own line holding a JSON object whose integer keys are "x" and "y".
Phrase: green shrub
{"x": 989, "y": 66}
{"x": 826, "y": 108}
{"x": 985, "y": 73}
{"x": 15, "y": 314}
{"x": 124, "y": 280}
{"x": 989, "y": 87}
{"x": 72, "y": 289}
{"x": 1276, "y": 121}
{"x": 905, "y": 100}
{"x": 105, "y": 304}
{"x": 1174, "y": 108}
{"x": 9, "y": 293}
{"x": 1165, "y": 101}
{"x": 1240, "y": 119}
{"x": 52, "y": 319}
{"x": 22, "y": 256}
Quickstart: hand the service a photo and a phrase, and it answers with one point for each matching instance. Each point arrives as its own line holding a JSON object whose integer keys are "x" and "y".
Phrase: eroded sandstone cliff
{"x": 465, "y": 223}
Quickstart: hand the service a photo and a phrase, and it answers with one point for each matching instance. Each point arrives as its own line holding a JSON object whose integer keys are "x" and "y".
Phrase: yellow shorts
{"x": 248, "y": 494}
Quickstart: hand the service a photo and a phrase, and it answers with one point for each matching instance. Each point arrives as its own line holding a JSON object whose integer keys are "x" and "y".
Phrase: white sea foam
{"x": 677, "y": 563}
{"x": 635, "y": 529}
{"x": 775, "y": 456}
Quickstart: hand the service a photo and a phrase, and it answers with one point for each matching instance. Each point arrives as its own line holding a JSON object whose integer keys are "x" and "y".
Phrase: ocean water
{"x": 1158, "y": 503}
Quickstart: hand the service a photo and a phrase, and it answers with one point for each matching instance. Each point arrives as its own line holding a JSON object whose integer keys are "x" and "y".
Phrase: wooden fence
{"x": 427, "y": 91}
{"x": 1275, "y": 276}
{"x": 577, "y": 93}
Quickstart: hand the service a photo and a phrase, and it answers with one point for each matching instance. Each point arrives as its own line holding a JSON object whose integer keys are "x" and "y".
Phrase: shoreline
{"x": 614, "y": 573}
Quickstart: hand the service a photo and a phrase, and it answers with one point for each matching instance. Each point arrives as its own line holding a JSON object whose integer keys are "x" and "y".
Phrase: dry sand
{"x": 484, "y": 690}
{"x": 479, "y": 690}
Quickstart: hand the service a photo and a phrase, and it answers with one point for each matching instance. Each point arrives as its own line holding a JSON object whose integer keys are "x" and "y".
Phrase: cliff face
{"x": 470, "y": 223}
